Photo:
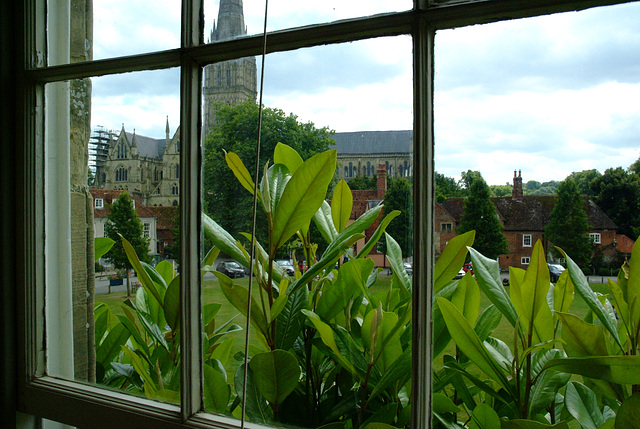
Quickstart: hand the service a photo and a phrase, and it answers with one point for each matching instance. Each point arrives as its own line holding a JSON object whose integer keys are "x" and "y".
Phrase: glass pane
{"x": 313, "y": 280}
{"x": 85, "y": 30}
{"x": 112, "y": 169}
{"x": 232, "y": 18}
{"x": 521, "y": 107}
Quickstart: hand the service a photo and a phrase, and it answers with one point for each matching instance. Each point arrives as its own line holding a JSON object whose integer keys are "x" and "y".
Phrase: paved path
{"x": 102, "y": 285}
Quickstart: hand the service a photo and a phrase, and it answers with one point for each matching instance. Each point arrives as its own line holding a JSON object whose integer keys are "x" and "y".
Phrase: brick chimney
{"x": 517, "y": 193}
{"x": 382, "y": 181}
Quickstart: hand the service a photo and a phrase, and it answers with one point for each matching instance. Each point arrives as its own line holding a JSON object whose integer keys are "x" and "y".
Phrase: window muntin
{"x": 423, "y": 72}
{"x": 595, "y": 237}
{"x": 526, "y": 240}
{"x": 99, "y": 203}
{"x": 525, "y": 260}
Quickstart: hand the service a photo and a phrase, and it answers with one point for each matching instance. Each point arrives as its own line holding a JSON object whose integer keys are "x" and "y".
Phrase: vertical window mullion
{"x": 190, "y": 218}
{"x": 423, "y": 209}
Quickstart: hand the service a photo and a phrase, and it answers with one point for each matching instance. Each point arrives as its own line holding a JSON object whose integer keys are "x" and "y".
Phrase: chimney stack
{"x": 381, "y": 181}
{"x": 517, "y": 192}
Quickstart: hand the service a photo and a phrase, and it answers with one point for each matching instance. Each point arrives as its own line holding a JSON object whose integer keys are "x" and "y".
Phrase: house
{"x": 523, "y": 218}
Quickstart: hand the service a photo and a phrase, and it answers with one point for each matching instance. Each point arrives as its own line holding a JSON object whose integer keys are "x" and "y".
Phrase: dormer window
{"x": 99, "y": 203}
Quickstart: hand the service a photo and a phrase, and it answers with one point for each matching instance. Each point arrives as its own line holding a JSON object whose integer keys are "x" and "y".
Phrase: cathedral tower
{"x": 230, "y": 82}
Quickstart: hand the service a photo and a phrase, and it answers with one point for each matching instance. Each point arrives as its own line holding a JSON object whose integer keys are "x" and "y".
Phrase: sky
{"x": 547, "y": 95}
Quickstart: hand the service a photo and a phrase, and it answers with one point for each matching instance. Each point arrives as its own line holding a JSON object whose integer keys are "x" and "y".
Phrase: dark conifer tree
{"x": 481, "y": 215}
{"x": 123, "y": 220}
{"x": 569, "y": 224}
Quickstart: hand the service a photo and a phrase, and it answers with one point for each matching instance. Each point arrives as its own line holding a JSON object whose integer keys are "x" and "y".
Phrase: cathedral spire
{"x": 230, "y": 21}
{"x": 167, "y": 130}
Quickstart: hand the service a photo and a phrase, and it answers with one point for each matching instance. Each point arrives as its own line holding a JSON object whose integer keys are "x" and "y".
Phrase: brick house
{"x": 523, "y": 218}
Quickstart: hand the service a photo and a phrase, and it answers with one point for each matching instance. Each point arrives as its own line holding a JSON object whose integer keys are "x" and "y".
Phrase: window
{"x": 147, "y": 229}
{"x": 595, "y": 237}
{"x": 526, "y": 240}
{"x": 524, "y": 260}
{"x": 446, "y": 227}
{"x": 99, "y": 203}
{"x": 50, "y": 71}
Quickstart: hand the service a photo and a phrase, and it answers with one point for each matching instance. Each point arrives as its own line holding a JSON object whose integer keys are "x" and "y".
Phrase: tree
{"x": 446, "y": 187}
{"x": 569, "y": 225}
{"x": 399, "y": 196}
{"x": 363, "y": 182}
{"x": 123, "y": 220}
{"x": 466, "y": 181}
{"x": 584, "y": 179}
{"x": 618, "y": 194}
{"x": 237, "y": 131}
{"x": 501, "y": 190}
{"x": 481, "y": 215}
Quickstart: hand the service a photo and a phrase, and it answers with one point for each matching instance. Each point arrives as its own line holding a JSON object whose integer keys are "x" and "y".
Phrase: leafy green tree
{"x": 363, "y": 182}
{"x": 635, "y": 167}
{"x": 399, "y": 197}
{"x": 501, "y": 190}
{"x": 481, "y": 215}
{"x": 446, "y": 187}
{"x": 584, "y": 179}
{"x": 237, "y": 131}
{"x": 123, "y": 220}
{"x": 466, "y": 181}
{"x": 569, "y": 225}
{"x": 618, "y": 194}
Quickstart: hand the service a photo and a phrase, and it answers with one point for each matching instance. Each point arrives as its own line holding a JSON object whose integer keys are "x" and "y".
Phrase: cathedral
{"x": 151, "y": 167}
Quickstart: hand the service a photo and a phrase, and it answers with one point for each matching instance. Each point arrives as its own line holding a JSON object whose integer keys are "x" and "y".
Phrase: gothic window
{"x": 368, "y": 169}
{"x": 174, "y": 189}
{"x": 177, "y": 171}
{"x": 121, "y": 174}
{"x": 351, "y": 169}
{"x": 346, "y": 171}
{"x": 219, "y": 78}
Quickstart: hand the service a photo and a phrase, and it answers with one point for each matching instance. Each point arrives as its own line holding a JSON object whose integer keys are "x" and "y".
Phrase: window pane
{"x": 362, "y": 91}
{"x": 107, "y": 323}
{"x": 525, "y": 105}
{"x": 232, "y": 18}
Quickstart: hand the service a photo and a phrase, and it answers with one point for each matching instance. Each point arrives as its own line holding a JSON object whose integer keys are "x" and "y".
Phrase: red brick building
{"x": 523, "y": 218}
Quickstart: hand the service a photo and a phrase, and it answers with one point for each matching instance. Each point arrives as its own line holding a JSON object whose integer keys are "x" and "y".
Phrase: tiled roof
{"x": 531, "y": 213}
{"x": 369, "y": 142}
{"x": 148, "y": 146}
{"x": 109, "y": 196}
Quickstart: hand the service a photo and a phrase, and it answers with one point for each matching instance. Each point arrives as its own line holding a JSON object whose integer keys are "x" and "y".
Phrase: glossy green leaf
{"x": 273, "y": 185}
{"x": 352, "y": 279}
{"x": 394, "y": 256}
{"x": 487, "y": 322}
{"x": 633, "y": 288}
{"x": 582, "y": 404}
{"x": 135, "y": 334}
{"x": 356, "y": 227}
{"x": 588, "y": 295}
{"x": 395, "y": 375}
{"x": 452, "y": 259}
{"x": 291, "y": 319}
{"x": 548, "y": 383}
{"x": 563, "y": 293}
{"x": 376, "y": 425}
{"x": 582, "y": 338}
{"x": 324, "y": 222}
{"x": 256, "y": 407}
{"x": 387, "y": 340}
{"x": 223, "y": 349}
{"x": 150, "y": 388}
{"x": 240, "y": 171}
{"x": 377, "y": 234}
{"x": 530, "y": 424}
{"x": 535, "y": 314}
{"x": 469, "y": 343}
{"x": 111, "y": 345}
{"x": 629, "y": 413}
{"x": 442, "y": 404}
{"x": 143, "y": 276}
{"x": 101, "y": 246}
{"x": 238, "y": 296}
{"x": 328, "y": 338}
{"x": 615, "y": 369}
{"x": 487, "y": 274}
{"x": 341, "y": 205}
{"x": 466, "y": 298}
{"x": 166, "y": 271}
{"x": 302, "y": 197}
{"x": 284, "y": 154}
{"x": 223, "y": 240}
{"x": 172, "y": 304}
{"x": 484, "y": 417}
{"x": 216, "y": 390}
{"x": 275, "y": 374}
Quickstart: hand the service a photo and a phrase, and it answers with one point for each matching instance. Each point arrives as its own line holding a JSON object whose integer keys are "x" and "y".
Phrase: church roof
{"x": 370, "y": 142}
{"x": 148, "y": 146}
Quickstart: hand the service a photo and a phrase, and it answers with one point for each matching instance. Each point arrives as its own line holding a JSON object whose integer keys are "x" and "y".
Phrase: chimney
{"x": 382, "y": 181}
{"x": 517, "y": 193}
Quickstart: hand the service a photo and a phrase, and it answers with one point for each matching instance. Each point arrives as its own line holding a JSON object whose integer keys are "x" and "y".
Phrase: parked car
{"x": 554, "y": 271}
{"x": 287, "y": 266}
{"x": 231, "y": 269}
{"x": 408, "y": 268}
{"x": 460, "y": 274}
{"x": 468, "y": 267}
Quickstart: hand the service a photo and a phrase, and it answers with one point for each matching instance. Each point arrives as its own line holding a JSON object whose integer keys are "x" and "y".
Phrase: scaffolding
{"x": 99, "y": 142}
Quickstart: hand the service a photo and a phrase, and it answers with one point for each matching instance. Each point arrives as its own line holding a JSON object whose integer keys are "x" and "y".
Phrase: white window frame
{"x": 527, "y": 239}
{"x": 596, "y": 237}
{"x": 449, "y": 226}
{"x": 525, "y": 260}
{"x": 99, "y": 203}
{"x": 146, "y": 229}
{"x": 54, "y": 399}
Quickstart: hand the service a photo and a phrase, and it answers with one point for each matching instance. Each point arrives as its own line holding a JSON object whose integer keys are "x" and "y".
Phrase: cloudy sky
{"x": 547, "y": 95}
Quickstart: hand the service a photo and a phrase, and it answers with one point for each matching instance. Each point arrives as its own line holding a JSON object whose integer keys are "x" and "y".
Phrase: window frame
{"x": 596, "y": 237}
{"x": 99, "y": 203}
{"x": 525, "y": 260}
{"x": 51, "y": 398}
{"x": 524, "y": 240}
